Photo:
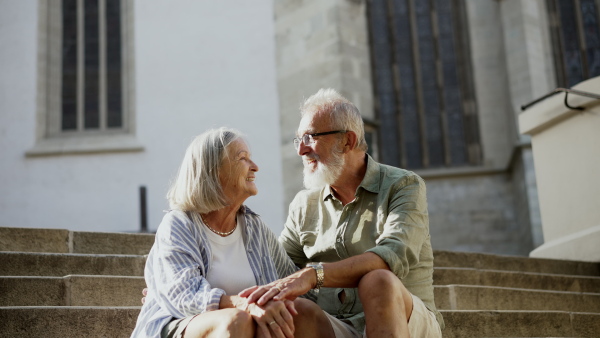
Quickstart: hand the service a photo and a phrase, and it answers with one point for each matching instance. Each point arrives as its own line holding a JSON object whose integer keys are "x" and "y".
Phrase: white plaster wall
{"x": 198, "y": 65}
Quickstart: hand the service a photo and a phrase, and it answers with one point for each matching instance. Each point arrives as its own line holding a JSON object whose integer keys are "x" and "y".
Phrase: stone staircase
{"x": 59, "y": 283}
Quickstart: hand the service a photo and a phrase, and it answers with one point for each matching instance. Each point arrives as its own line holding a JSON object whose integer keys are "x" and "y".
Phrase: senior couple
{"x": 354, "y": 258}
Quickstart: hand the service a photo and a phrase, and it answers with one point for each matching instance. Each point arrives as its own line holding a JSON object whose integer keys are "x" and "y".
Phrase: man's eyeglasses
{"x": 307, "y": 139}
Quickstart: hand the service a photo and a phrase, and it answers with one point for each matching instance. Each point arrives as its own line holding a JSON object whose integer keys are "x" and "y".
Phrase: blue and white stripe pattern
{"x": 180, "y": 258}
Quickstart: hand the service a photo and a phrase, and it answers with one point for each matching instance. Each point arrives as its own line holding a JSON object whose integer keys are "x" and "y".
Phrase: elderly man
{"x": 360, "y": 228}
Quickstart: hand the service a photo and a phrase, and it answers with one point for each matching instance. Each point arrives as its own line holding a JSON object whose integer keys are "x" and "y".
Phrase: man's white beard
{"x": 325, "y": 173}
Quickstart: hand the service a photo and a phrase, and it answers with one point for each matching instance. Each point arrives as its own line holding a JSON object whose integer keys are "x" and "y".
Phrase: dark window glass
{"x": 589, "y": 18}
{"x": 69, "y": 65}
{"x": 100, "y": 65}
{"x": 575, "y": 31}
{"x": 429, "y": 86}
{"x": 410, "y": 132}
{"x": 420, "y": 74}
{"x": 383, "y": 75}
{"x": 92, "y": 65}
{"x": 451, "y": 95}
{"x": 113, "y": 64}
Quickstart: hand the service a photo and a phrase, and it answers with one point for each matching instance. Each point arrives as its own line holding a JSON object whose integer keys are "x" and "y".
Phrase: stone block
{"x": 514, "y": 263}
{"x": 496, "y": 298}
{"x": 32, "y": 291}
{"x": 47, "y": 264}
{"x": 105, "y": 290}
{"x": 519, "y": 324}
{"x": 49, "y": 321}
{"x": 112, "y": 243}
{"x": 34, "y": 240}
{"x": 523, "y": 280}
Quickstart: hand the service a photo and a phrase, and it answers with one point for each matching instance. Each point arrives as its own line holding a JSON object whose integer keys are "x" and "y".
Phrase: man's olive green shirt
{"x": 388, "y": 217}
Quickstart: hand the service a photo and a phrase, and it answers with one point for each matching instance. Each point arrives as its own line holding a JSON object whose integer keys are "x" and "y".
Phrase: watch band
{"x": 320, "y": 273}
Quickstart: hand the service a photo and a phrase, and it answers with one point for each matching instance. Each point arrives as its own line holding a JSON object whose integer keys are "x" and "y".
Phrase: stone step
{"x": 67, "y": 321}
{"x": 53, "y": 264}
{"x": 82, "y": 290}
{"x": 523, "y": 280}
{"x": 451, "y": 259}
{"x": 73, "y": 290}
{"x": 65, "y": 241}
{"x": 466, "y": 323}
{"x": 48, "y": 321}
{"x": 470, "y": 297}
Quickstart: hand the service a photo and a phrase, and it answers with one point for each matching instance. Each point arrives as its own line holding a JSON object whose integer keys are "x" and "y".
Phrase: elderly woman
{"x": 209, "y": 247}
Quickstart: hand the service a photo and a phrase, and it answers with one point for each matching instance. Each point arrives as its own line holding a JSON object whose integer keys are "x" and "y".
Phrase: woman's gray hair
{"x": 343, "y": 114}
{"x": 197, "y": 186}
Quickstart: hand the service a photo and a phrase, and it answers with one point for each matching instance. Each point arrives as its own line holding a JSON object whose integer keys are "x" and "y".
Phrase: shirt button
{"x": 339, "y": 240}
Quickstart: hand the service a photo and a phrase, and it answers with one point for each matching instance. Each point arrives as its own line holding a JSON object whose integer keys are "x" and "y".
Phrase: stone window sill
{"x": 84, "y": 145}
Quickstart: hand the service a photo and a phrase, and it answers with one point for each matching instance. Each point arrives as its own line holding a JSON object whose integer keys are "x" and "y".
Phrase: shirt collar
{"x": 370, "y": 182}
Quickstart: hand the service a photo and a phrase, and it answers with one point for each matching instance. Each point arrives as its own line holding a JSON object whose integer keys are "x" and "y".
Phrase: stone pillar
{"x": 319, "y": 44}
{"x": 530, "y": 75}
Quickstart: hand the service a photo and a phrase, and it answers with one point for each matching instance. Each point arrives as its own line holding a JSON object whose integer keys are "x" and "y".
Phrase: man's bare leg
{"x": 311, "y": 321}
{"x": 387, "y": 304}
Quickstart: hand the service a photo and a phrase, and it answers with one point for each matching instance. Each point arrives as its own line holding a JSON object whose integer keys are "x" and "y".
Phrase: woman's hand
{"x": 274, "y": 319}
{"x": 145, "y": 294}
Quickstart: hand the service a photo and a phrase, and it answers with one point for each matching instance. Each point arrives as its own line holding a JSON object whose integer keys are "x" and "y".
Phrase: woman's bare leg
{"x": 221, "y": 323}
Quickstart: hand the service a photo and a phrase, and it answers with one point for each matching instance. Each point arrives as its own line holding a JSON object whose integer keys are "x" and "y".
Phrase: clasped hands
{"x": 271, "y": 305}
{"x": 285, "y": 290}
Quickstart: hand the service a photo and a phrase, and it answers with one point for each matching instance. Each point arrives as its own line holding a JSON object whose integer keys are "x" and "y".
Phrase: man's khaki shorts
{"x": 422, "y": 323}
{"x": 176, "y": 327}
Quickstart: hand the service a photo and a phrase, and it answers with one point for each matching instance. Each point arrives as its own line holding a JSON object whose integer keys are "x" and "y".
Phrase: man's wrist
{"x": 320, "y": 274}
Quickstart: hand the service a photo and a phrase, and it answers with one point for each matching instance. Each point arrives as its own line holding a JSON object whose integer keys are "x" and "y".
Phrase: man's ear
{"x": 351, "y": 141}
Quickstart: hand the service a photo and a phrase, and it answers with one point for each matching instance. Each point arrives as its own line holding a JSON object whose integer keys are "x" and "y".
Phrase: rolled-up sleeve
{"x": 406, "y": 225}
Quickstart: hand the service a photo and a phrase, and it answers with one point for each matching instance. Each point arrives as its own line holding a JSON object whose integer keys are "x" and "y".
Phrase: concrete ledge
{"x": 523, "y": 280}
{"x": 105, "y": 290}
{"x": 514, "y": 263}
{"x": 463, "y": 297}
{"x": 111, "y": 243}
{"x": 48, "y": 321}
{"x": 32, "y": 291}
{"x": 462, "y": 324}
{"x": 34, "y": 240}
{"x": 581, "y": 246}
{"x": 76, "y": 290}
{"x": 65, "y": 241}
{"x": 48, "y": 264}
{"x": 85, "y": 144}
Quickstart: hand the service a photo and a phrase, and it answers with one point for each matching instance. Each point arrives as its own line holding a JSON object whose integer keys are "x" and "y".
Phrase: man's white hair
{"x": 342, "y": 113}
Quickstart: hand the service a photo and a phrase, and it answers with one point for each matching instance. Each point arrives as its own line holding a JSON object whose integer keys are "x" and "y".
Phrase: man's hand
{"x": 288, "y": 288}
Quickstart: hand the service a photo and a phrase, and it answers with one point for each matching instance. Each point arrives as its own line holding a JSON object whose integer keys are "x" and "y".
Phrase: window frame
{"x": 50, "y": 138}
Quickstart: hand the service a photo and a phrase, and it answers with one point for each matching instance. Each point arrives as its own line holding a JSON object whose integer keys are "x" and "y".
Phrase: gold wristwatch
{"x": 320, "y": 274}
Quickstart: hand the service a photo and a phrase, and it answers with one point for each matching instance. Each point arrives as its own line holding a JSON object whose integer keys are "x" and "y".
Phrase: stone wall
{"x": 492, "y": 207}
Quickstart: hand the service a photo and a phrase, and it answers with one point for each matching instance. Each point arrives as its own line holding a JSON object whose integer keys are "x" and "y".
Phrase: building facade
{"x": 101, "y": 97}
{"x": 440, "y": 85}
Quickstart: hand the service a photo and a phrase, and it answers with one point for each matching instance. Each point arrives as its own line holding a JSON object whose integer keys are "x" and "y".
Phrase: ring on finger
{"x": 277, "y": 287}
{"x": 273, "y": 322}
